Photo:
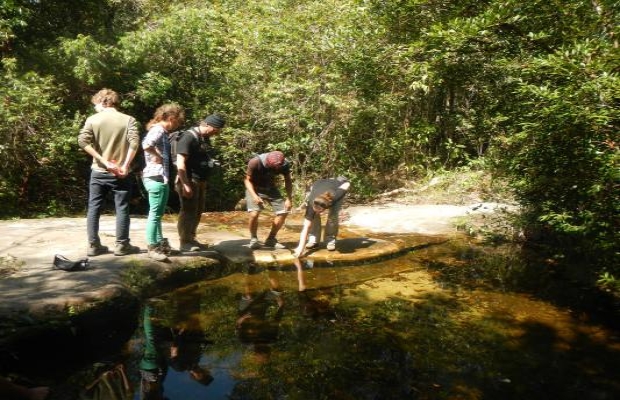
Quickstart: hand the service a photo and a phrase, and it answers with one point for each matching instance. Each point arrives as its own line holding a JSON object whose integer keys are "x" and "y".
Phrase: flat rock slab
{"x": 30, "y": 288}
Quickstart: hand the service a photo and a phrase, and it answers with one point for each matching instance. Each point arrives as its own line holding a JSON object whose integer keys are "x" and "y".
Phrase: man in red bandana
{"x": 261, "y": 187}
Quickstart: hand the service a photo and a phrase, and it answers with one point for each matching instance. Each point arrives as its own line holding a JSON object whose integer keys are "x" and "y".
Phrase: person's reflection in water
{"x": 185, "y": 352}
{"x": 153, "y": 363}
{"x": 313, "y": 303}
{"x": 259, "y": 316}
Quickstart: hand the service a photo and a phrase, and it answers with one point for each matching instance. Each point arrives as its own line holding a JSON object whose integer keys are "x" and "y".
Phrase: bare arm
{"x": 288, "y": 184}
{"x": 110, "y": 166}
{"x": 247, "y": 182}
{"x": 303, "y": 236}
{"x": 123, "y": 170}
{"x": 182, "y": 176}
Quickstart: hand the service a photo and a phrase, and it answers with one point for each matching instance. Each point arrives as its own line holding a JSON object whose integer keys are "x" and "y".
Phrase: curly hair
{"x": 166, "y": 112}
{"x": 107, "y": 97}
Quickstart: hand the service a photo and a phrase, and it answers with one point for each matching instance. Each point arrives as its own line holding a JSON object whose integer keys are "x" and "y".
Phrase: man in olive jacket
{"x": 112, "y": 139}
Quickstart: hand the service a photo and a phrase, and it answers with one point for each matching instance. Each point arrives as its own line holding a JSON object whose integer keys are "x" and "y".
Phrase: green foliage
{"x": 563, "y": 153}
{"x": 382, "y": 91}
{"x": 12, "y": 16}
{"x": 38, "y": 155}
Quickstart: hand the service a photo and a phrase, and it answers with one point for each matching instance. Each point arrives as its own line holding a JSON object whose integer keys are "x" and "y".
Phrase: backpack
{"x": 174, "y": 139}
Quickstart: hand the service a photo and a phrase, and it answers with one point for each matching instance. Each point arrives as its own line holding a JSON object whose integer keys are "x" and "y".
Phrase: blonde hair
{"x": 107, "y": 98}
{"x": 166, "y": 112}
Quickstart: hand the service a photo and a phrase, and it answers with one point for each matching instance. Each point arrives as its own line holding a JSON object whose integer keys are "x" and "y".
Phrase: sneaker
{"x": 189, "y": 246}
{"x": 254, "y": 244}
{"x": 273, "y": 242}
{"x": 95, "y": 249}
{"x": 156, "y": 253}
{"x": 311, "y": 244}
{"x": 165, "y": 247}
{"x": 193, "y": 245}
{"x": 125, "y": 248}
{"x": 331, "y": 245}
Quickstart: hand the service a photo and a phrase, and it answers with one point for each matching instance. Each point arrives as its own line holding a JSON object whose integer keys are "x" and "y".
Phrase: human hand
{"x": 288, "y": 205}
{"x": 187, "y": 191}
{"x": 298, "y": 252}
{"x": 122, "y": 171}
{"x": 111, "y": 166}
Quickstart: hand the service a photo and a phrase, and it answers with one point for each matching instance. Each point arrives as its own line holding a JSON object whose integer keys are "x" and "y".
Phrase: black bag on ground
{"x": 62, "y": 262}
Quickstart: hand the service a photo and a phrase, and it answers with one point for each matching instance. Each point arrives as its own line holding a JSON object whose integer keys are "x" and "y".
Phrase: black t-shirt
{"x": 197, "y": 149}
{"x": 321, "y": 186}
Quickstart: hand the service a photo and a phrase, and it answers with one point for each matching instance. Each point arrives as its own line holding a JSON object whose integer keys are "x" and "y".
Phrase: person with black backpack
{"x": 193, "y": 162}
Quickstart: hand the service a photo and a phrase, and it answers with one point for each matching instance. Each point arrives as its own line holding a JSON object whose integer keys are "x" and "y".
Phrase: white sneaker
{"x": 273, "y": 242}
{"x": 331, "y": 245}
{"x": 254, "y": 244}
{"x": 311, "y": 242}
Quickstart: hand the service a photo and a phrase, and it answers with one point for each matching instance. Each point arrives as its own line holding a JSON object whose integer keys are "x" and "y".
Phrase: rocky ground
{"x": 32, "y": 291}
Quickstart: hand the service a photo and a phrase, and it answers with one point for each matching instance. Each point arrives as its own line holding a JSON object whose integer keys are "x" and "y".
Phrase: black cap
{"x": 215, "y": 120}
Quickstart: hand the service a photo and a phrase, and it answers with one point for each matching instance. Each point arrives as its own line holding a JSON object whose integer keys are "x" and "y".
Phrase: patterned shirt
{"x": 157, "y": 137}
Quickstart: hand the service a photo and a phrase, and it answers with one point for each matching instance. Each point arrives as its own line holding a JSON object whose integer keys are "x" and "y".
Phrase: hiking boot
{"x": 311, "y": 242}
{"x": 254, "y": 244}
{"x": 125, "y": 248}
{"x": 331, "y": 245}
{"x": 95, "y": 249}
{"x": 273, "y": 242}
{"x": 156, "y": 253}
{"x": 165, "y": 248}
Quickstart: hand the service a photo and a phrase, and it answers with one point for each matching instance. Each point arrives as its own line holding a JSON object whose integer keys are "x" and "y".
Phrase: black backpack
{"x": 174, "y": 139}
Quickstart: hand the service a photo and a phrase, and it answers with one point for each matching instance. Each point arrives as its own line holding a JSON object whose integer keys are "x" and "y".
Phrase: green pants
{"x": 158, "y": 199}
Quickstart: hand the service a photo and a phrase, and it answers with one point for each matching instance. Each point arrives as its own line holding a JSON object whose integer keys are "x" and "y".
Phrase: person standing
{"x": 112, "y": 139}
{"x": 156, "y": 174}
{"x": 261, "y": 187}
{"x": 193, "y": 162}
{"x": 325, "y": 194}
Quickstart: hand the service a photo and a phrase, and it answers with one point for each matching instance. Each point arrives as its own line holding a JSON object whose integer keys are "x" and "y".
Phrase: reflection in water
{"x": 259, "y": 314}
{"x": 323, "y": 332}
{"x": 388, "y": 330}
{"x": 174, "y": 347}
{"x": 153, "y": 367}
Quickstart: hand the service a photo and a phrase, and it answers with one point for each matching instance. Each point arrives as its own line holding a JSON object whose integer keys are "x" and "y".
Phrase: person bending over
{"x": 325, "y": 194}
{"x": 260, "y": 188}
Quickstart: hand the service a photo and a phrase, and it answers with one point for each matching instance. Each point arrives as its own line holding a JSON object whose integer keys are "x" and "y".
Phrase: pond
{"x": 451, "y": 321}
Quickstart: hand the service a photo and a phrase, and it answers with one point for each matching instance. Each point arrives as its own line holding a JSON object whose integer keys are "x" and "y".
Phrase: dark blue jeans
{"x": 101, "y": 183}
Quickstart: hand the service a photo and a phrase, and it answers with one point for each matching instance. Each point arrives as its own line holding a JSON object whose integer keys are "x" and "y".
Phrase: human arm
{"x": 184, "y": 181}
{"x": 303, "y": 237}
{"x": 153, "y": 144}
{"x": 133, "y": 138}
{"x": 288, "y": 185}
{"x": 86, "y": 141}
{"x": 247, "y": 182}
{"x": 301, "y": 280}
{"x": 110, "y": 165}
{"x": 123, "y": 169}
{"x": 154, "y": 154}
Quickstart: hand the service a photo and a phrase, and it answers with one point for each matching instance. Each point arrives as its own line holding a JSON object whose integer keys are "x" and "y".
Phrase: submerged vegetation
{"x": 387, "y": 92}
